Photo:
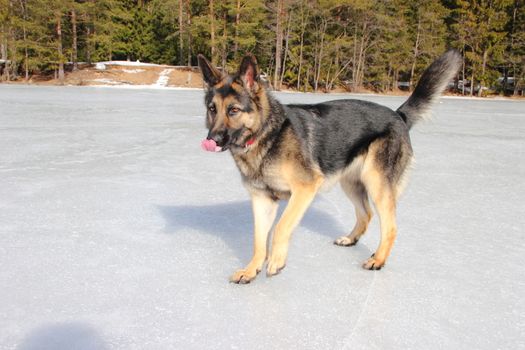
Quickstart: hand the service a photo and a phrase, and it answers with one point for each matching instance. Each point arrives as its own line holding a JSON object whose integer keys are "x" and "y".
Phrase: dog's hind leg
{"x": 383, "y": 174}
{"x": 356, "y": 192}
{"x": 384, "y": 198}
{"x": 264, "y": 212}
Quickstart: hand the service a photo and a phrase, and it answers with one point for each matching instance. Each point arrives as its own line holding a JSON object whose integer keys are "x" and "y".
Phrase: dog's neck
{"x": 272, "y": 118}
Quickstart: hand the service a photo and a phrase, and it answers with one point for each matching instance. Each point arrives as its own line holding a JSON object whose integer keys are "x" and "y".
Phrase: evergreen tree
{"x": 427, "y": 32}
{"x": 478, "y": 29}
{"x": 515, "y": 50}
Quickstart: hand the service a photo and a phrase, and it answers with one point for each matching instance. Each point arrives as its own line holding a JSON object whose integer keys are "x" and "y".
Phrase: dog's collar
{"x": 248, "y": 144}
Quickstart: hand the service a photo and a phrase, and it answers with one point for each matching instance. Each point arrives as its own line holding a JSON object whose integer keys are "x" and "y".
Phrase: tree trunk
{"x": 212, "y": 34}
{"x": 26, "y": 55}
{"x": 60, "y": 51}
{"x": 516, "y": 77}
{"x": 74, "y": 48}
{"x": 517, "y": 82}
{"x": 6, "y": 29}
{"x": 327, "y": 79}
{"x": 286, "y": 40}
{"x": 88, "y": 43}
{"x": 23, "y": 7}
{"x": 341, "y": 70}
{"x": 319, "y": 60}
{"x": 307, "y": 79}
{"x": 360, "y": 58}
{"x": 3, "y": 46}
{"x": 485, "y": 55}
{"x": 181, "y": 33}
{"x": 416, "y": 53}
{"x": 388, "y": 80}
{"x": 463, "y": 73}
{"x": 3, "y": 54}
{"x": 354, "y": 59}
{"x": 278, "y": 43}
{"x": 303, "y": 28}
{"x": 237, "y": 23}
{"x": 483, "y": 66}
{"x": 188, "y": 9}
{"x": 472, "y": 83}
{"x": 396, "y": 80}
{"x": 7, "y": 65}
{"x": 224, "y": 45}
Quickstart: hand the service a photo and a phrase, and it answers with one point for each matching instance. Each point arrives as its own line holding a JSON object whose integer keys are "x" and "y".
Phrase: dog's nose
{"x": 218, "y": 137}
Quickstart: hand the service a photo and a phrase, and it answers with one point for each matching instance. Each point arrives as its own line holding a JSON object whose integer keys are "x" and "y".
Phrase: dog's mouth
{"x": 210, "y": 145}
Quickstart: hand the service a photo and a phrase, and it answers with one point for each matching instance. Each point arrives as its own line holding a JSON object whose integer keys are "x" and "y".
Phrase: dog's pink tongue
{"x": 210, "y": 146}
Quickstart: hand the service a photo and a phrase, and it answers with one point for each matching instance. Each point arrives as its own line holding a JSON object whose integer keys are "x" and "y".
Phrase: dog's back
{"x": 335, "y": 132}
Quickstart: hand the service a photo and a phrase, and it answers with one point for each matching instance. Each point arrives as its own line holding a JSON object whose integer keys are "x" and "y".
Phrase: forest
{"x": 378, "y": 45}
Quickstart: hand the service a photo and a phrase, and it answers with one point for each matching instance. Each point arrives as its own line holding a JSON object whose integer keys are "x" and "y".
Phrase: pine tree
{"x": 428, "y": 33}
{"x": 515, "y": 50}
{"x": 6, "y": 37}
{"x": 108, "y": 29}
{"x": 390, "y": 52}
{"x": 478, "y": 29}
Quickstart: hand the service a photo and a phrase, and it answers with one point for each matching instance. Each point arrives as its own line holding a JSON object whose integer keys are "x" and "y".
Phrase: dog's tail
{"x": 432, "y": 83}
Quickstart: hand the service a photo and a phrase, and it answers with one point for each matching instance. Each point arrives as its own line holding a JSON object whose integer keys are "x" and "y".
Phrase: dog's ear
{"x": 249, "y": 72}
{"x": 210, "y": 74}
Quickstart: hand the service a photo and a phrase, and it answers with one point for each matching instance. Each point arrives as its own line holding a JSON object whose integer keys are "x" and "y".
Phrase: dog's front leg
{"x": 264, "y": 211}
{"x": 300, "y": 200}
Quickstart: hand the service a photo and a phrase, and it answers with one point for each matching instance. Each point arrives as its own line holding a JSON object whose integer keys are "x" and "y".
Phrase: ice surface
{"x": 118, "y": 232}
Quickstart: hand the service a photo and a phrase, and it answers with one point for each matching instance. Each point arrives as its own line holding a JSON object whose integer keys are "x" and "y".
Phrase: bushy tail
{"x": 432, "y": 83}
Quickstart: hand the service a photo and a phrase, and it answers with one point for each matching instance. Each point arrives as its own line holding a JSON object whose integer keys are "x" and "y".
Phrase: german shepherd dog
{"x": 290, "y": 152}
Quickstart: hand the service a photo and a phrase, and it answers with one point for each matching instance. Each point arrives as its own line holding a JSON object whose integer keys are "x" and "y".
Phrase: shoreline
{"x": 183, "y": 88}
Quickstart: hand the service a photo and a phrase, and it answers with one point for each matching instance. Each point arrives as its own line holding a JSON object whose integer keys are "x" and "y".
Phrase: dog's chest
{"x": 264, "y": 176}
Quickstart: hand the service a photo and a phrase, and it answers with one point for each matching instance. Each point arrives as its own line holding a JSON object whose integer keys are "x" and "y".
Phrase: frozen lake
{"x": 118, "y": 232}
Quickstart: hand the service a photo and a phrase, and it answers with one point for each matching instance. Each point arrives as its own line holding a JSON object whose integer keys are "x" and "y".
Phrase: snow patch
{"x": 148, "y": 87}
{"x": 129, "y": 64}
{"x": 107, "y": 81}
{"x": 133, "y": 71}
{"x": 164, "y": 77}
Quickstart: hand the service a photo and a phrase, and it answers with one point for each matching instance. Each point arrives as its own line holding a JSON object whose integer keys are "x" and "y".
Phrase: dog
{"x": 291, "y": 152}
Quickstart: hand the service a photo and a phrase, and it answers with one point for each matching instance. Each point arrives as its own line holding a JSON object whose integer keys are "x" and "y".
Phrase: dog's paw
{"x": 373, "y": 264}
{"x": 243, "y": 276}
{"x": 275, "y": 265}
{"x": 346, "y": 241}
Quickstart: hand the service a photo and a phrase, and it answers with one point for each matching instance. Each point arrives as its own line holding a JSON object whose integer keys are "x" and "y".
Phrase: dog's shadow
{"x": 233, "y": 223}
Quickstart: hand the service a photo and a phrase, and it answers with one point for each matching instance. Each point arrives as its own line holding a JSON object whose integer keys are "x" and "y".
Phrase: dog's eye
{"x": 212, "y": 109}
{"x": 233, "y": 111}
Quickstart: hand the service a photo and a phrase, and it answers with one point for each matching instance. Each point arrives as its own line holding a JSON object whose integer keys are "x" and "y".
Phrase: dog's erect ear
{"x": 210, "y": 74}
{"x": 248, "y": 71}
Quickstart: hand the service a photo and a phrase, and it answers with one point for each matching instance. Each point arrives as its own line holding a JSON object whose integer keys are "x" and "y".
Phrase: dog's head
{"x": 236, "y": 104}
